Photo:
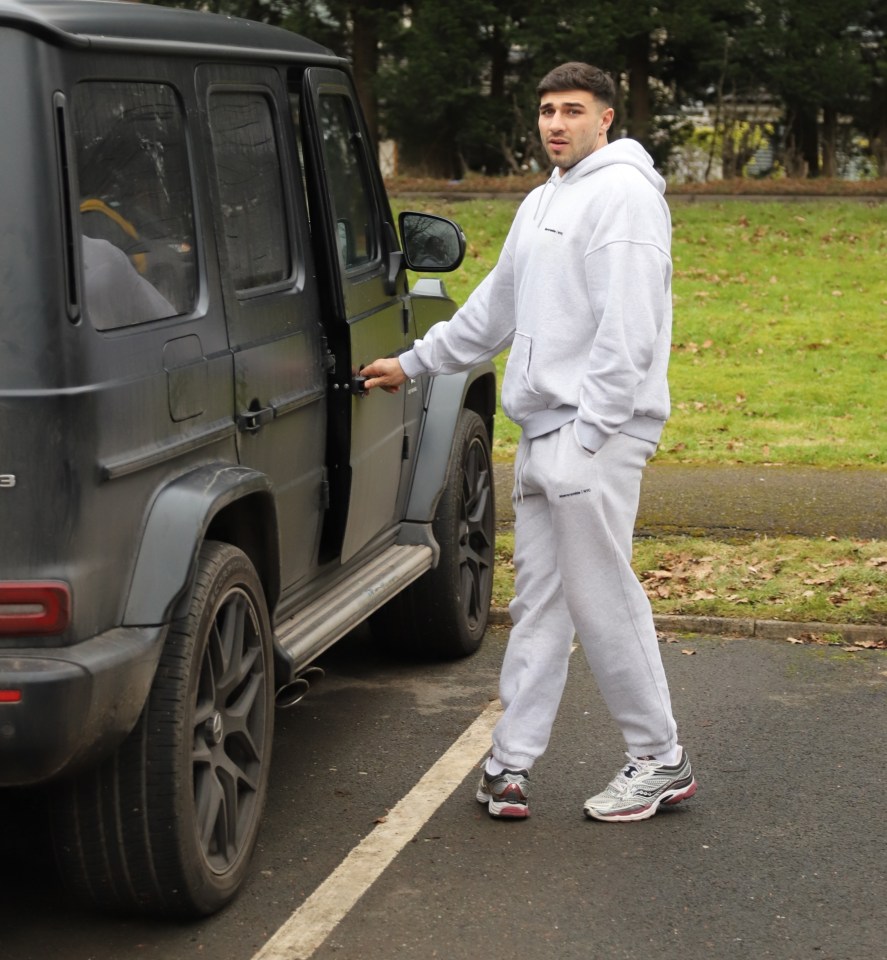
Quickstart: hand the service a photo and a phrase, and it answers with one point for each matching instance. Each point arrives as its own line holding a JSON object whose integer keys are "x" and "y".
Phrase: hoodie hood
{"x": 619, "y": 151}
{"x": 624, "y": 151}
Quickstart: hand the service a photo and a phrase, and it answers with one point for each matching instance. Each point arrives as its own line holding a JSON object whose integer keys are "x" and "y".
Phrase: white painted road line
{"x": 319, "y": 915}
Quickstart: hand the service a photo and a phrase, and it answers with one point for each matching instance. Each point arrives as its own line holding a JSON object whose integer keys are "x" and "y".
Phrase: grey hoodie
{"x": 582, "y": 295}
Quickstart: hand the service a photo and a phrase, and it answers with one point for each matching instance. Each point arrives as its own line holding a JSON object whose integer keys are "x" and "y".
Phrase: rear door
{"x": 368, "y": 313}
{"x": 271, "y": 302}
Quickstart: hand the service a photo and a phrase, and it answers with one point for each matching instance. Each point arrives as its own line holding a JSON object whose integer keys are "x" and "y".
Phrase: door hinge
{"x": 405, "y": 450}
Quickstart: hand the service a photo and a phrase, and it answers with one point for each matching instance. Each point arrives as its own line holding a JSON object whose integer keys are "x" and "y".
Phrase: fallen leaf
{"x": 794, "y": 639}
{"x": 689, "y": 653}
{"x": 704, "y": 595}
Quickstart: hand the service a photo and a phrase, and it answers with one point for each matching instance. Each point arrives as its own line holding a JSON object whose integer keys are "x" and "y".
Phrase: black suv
{"x": 196, "y": 495}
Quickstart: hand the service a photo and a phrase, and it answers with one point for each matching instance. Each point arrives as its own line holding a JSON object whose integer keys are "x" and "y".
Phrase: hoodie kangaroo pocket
{"x": 519, "y": 399}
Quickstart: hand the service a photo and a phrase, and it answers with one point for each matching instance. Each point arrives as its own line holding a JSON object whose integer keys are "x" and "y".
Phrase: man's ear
{"x": 607, "y": 117}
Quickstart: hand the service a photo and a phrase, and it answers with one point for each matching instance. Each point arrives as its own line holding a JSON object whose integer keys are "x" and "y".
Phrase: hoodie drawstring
{"x": 548, "y": 196}
{"x": 523, "y": 453}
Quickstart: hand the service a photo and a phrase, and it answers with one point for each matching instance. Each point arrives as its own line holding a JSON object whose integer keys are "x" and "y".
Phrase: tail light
{"x": 28, "y": 608}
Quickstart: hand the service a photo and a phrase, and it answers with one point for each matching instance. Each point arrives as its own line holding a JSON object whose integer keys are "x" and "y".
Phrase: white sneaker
{"x": 505, "y": 793}
{"x": 640, "y": 786}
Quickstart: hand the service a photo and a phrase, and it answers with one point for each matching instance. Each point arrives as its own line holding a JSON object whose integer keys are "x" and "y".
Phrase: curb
{"x": 749, "y": 627}
{"x": 769, "y": 629}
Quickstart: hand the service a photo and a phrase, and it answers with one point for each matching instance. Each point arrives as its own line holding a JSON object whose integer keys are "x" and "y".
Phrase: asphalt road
{"x": 780, "y": 854}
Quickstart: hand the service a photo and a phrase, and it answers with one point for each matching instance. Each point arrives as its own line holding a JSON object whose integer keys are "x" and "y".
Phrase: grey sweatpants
{"x": 574, "y": 522}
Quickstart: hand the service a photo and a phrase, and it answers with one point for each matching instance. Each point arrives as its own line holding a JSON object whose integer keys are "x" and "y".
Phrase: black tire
{"x": 167, "y": 825}
{"x": 444, "y": 614}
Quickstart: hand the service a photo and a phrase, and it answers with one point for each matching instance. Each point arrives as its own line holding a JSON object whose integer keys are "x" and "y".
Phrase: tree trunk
{"x": 639, "y": 109}
{"x": 728, "y": 151}
{"x": 830, "y": 142}
{"x": 365, "y": 64}
{"x": 498, "y": 66}
{"x": 802, "y": 150}
{"x": 807, "y": 139}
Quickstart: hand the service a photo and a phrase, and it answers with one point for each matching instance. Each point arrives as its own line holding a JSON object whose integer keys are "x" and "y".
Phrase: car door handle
{"x": 249, "y": 421}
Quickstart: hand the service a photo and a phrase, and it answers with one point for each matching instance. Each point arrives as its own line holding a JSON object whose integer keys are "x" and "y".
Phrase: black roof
{"x": 122, "y": 25}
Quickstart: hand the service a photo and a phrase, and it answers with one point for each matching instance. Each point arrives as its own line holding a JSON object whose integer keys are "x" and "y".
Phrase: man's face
{"x": 572, "y": 125}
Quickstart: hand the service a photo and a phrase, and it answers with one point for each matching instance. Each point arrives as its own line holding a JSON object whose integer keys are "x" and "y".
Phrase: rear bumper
{"x": 77, "y": 703}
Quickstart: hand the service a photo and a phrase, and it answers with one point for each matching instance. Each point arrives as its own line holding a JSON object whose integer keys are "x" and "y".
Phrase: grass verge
{"x": 769, "y": 578}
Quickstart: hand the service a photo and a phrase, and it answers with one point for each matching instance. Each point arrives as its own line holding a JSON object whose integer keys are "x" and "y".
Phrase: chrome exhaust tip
{"x": 291, "y": 693}
{"x": 312, "y": 674}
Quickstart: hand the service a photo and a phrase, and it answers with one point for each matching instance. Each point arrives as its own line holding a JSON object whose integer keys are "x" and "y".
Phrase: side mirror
{"x": 431, "y": 243}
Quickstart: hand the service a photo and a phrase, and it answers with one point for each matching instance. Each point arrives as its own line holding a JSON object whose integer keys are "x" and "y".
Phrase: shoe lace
{"x": 623, "y": 780}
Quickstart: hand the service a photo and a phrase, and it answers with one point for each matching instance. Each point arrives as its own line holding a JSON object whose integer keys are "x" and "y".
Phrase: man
{"x": 582, "y": 295}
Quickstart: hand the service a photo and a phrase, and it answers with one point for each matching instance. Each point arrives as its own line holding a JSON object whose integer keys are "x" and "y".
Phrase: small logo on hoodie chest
{"x": 559, "y": 233}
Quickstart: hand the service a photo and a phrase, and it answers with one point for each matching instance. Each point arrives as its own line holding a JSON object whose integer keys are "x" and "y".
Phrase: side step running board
{"x": 317, "y": 626}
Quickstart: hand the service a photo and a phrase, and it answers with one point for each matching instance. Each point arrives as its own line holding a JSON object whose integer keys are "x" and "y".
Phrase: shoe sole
{"x": 508, "y": 811}
{"x": 503, "y": 809}
{"x": 668, "y": 799}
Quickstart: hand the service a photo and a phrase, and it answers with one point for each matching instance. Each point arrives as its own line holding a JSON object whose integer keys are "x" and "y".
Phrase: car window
{"x": 250, "y": 182}
{"x": 136, "y": 206}
{"x": 348, "y": 179}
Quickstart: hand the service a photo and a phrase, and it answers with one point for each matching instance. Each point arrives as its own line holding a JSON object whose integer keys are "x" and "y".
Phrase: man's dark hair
{"x": 579, "y": 76}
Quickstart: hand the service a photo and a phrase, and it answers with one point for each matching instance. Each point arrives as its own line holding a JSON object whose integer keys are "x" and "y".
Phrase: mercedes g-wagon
{"x": 197, "y": 498}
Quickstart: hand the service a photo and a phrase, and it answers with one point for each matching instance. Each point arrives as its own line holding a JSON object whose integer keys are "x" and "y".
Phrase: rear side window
{"x": 250, "y": 183}
{"x": 136, "y": 208}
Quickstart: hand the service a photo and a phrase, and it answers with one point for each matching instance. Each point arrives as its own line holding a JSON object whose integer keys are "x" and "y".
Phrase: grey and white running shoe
{"x": 636, "y": 792}
{"x": 505, "y": 793}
